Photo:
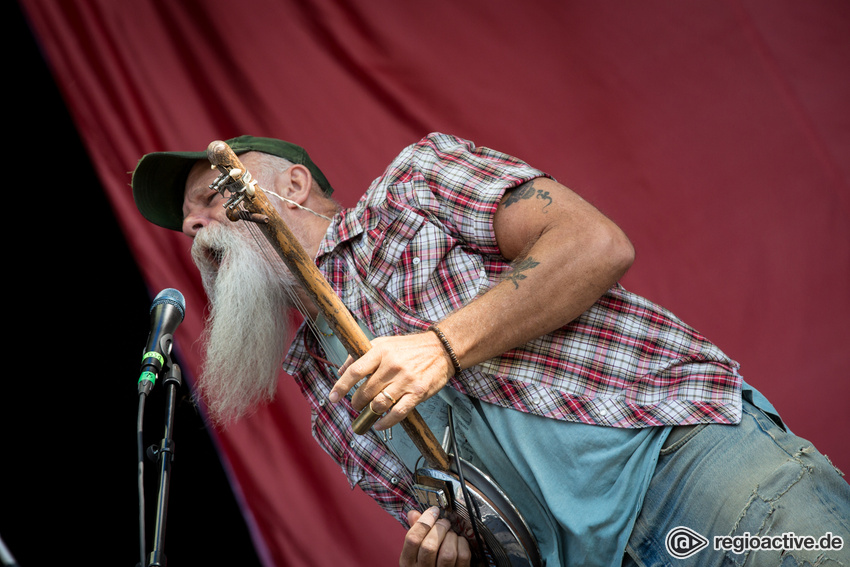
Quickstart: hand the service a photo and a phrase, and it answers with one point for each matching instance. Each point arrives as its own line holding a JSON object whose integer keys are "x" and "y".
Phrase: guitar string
{"x": 325, "y": 341}
{"x": 274, "y": 259}
{"x": 270, "y": 254}
{"x": 473, "y": 511}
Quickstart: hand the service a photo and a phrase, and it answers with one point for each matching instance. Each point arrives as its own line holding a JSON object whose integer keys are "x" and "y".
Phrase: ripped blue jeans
{"x": 748, "y": 495}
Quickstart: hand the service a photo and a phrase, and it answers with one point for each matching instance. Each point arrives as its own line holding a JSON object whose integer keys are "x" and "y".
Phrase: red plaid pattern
{"x": 420, "y": 244}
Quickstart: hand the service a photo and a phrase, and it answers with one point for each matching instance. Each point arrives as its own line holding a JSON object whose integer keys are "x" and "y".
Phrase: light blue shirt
{"x": 579, "y": 487}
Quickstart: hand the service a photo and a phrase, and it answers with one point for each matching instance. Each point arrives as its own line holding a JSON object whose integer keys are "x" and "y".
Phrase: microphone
{"x": 167, "y": 311}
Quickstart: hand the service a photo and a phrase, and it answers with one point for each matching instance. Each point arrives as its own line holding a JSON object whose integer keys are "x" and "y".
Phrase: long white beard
{"x": 248, "y": 327}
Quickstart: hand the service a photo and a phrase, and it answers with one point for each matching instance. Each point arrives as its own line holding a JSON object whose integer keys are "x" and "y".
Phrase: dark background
{"x": 78, "y": 312}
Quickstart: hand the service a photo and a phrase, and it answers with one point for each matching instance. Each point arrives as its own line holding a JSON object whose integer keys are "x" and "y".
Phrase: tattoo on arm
{"x": 519, "y": 269}
{"x": 527, "y": 191}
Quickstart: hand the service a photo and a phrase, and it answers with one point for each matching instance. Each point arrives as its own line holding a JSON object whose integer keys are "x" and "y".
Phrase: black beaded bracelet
{"x": 447, "y": 346}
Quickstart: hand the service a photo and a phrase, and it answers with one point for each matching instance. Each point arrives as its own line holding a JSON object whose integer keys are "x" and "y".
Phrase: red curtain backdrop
{"x": 716, "y": 133}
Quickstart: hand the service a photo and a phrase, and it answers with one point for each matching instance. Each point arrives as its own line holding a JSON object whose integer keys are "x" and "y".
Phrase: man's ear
{"x": 296, "y": 183}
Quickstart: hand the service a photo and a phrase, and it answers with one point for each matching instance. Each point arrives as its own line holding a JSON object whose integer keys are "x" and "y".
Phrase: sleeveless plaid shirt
{"x": 420, "y": 244}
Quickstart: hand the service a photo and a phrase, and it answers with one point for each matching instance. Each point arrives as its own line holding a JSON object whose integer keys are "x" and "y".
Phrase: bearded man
{"x": 492, "y": 291}
{"x": 251, "y": 296}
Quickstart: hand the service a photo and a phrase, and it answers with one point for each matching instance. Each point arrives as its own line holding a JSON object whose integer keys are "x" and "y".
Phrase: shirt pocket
{"x": 421, "y": 272}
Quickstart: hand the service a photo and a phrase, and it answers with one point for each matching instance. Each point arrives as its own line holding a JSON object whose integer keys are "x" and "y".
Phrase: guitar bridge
{"x": 428, "y": 496}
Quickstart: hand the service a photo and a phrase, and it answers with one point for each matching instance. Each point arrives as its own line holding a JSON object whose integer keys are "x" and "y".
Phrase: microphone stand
{"x": 165, "y": 455}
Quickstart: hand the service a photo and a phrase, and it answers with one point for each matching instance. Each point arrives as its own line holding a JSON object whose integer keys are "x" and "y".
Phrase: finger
{"x": 412, "y": 517}
{"x": 427, "y": 518}
{"x": 378, "y": 375}
{"x": 354, "y": 372}
{"x": 432, "y": 545}
{"x": 393, "y": 414}
{"x": 448, "y": 553}
{"x": 420, "y": 527}
{"x": 341, "y": 370}
{"x": 383, "y": 403}
{"x": 464, "y": 553}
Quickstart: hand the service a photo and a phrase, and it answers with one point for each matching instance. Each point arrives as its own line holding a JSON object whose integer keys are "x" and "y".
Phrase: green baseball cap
{"x": 160, "y": 177}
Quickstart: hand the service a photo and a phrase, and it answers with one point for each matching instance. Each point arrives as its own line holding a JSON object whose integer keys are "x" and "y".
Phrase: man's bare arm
{"x": 565, "y": 255}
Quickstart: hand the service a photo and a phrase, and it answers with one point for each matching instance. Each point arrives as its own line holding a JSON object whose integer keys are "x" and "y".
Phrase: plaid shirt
{"x": 420, "y": 244}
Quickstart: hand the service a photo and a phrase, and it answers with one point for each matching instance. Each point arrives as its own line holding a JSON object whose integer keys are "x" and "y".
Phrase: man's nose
{"x": 194, "y": 222}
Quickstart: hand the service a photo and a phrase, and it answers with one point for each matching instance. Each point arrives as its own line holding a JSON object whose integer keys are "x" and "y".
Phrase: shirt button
{"x": 394, "y": 480}
{"x": 416, "y": 260}
{"x": 603, "y": 411}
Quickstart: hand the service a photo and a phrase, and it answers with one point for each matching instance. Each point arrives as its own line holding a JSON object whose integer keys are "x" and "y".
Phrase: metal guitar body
{"x": 506, "y": 537}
